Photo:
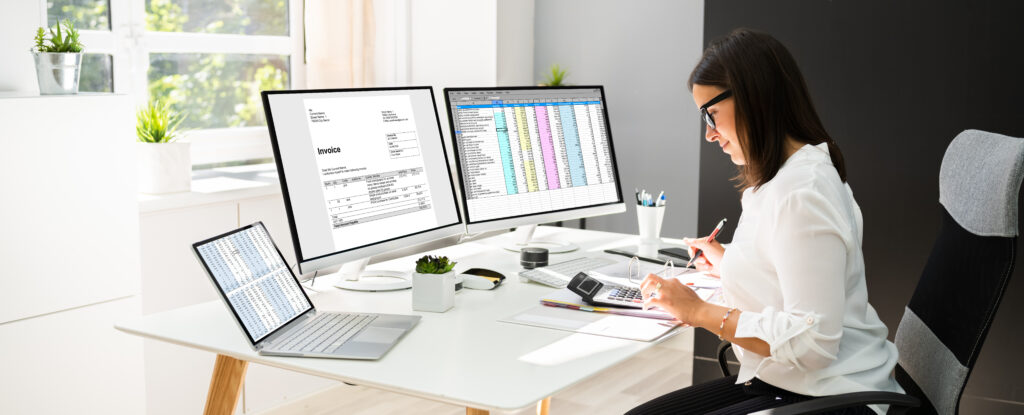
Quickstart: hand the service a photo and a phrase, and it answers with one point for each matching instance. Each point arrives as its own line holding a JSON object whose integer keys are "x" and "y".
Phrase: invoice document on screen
{"x": 371, "y": 170}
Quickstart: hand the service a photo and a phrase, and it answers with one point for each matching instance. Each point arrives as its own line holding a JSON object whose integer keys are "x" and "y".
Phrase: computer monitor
{"x": 530, "y": 155}
{"x": 363, "y": 172}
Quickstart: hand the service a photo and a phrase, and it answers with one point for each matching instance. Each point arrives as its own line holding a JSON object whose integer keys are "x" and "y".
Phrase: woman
{"x": 797, "y": 309}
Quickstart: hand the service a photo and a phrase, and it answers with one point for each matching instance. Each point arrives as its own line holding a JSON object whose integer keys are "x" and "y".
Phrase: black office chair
{"x": 944, "y": 326}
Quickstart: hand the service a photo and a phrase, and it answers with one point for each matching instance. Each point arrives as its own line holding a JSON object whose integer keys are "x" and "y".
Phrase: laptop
{"x": 274, "y": 311}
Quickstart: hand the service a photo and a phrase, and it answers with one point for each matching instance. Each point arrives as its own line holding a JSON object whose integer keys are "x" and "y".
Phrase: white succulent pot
{"x": 164, "y": 167}
{"x": 433, "y": 292}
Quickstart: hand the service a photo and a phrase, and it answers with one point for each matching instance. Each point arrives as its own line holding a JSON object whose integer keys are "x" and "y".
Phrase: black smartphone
{"x": 676, "y": 252}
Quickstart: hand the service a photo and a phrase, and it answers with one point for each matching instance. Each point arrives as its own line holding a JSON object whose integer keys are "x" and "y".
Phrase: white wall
{"x": 642, "y": 52}
{"x": 18, "y": 22}
{"x": 515, "y": 42}
{"x": 453, "y": 43}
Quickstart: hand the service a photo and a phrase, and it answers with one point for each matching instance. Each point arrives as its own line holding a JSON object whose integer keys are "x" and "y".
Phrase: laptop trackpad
{"x": 374, "y": 334}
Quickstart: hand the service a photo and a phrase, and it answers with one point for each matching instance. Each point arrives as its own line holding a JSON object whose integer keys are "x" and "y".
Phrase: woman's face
{"x": 724, "y": 115}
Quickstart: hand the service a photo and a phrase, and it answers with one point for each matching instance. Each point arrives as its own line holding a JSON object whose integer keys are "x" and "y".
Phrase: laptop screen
{"x": 254, "y": 279}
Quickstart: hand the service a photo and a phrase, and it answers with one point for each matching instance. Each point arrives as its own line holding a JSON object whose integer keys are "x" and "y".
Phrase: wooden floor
{"x": 659, "y": 370}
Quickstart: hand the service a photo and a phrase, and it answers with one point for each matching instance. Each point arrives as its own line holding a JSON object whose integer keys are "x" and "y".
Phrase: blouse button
{"x": 810, "y": 320}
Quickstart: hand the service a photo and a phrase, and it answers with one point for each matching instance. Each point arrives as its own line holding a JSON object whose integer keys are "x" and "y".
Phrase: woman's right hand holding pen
{"x": 711, "y": 254}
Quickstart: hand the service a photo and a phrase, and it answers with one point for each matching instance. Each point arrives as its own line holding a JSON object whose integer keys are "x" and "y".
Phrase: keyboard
{"x": 326, "y": 333}
{"x": 558, "y": 275}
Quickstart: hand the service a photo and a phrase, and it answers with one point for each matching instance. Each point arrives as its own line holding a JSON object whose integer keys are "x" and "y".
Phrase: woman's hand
{"x": 711, "y": 254}
{"x": 672, "y": 296}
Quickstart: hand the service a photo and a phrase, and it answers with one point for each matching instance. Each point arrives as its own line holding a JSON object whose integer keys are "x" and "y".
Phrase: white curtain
{"x": 339, "y": 43}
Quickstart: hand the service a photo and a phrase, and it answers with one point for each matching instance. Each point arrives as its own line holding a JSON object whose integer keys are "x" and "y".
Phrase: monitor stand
{"x": 523, "y": 238}
{"x": 355, "y": 277}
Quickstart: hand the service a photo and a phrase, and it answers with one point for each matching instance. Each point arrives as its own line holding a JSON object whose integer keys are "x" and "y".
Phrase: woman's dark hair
{"x": 771, "y": 101}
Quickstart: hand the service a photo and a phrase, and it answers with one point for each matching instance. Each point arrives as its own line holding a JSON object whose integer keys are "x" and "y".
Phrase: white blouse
{"x": 796, "y": 271}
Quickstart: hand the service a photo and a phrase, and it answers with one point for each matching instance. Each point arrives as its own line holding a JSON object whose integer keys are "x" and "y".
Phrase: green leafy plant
{"x": 556, "y": 76}
{"x": 158, "y": 123}
{"x": 63, "y": 39}
{"x": 434, "y": 265}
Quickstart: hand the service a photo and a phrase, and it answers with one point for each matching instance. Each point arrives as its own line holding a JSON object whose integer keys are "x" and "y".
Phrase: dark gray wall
{"x": 894, "y": 82}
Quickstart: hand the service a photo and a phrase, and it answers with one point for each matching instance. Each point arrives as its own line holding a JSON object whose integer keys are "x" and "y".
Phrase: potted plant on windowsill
{"x": 433, "y": 284}
{"x": 58, "y": 59}
{"x": 165, "y": 165}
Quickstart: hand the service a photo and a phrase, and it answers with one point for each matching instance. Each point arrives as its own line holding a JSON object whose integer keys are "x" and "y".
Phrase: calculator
{"x": 600, "y": 293}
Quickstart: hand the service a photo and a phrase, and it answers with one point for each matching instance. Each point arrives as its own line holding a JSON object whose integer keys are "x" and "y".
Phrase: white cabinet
{"x": 69, "y": 249}
{"x": 177, "y": 378}
{"x": 73, "y": 362}
{"x": 68, "y": 215}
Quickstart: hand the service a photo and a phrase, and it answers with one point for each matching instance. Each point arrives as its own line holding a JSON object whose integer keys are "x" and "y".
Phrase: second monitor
{"x": 531, "y": 155}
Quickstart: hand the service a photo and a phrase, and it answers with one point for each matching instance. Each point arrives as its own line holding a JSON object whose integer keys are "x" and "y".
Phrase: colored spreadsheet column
{"x": 506, "y": 152}
{"x": 572, "y": 145}
{"x": 524, "y": 143}
{"x": 547, "y": 147}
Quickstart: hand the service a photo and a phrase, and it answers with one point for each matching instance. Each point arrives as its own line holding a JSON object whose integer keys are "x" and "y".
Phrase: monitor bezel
{"x": 224, "y": 296}
{"x": 307, "y": 265}
{"x": 539, "y": 217}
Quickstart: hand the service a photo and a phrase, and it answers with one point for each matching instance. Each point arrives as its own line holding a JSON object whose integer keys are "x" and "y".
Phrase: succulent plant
{"x": 61, "y": 40}
{"x": 157, "y": 123}
{"x": 434, "y": 265}
{"x": 556, "y": 77}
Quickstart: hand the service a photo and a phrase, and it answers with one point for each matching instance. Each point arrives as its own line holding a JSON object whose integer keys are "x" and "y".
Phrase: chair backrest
{"x": 945, "y": 323}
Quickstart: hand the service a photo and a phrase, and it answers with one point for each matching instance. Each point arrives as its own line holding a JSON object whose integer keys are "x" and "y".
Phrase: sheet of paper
{"x": 601, "y": 324}
{"x": 565, "y": 297}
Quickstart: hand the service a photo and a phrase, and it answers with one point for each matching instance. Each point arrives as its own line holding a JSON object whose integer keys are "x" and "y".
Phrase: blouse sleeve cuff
{"x": 749, "y": 325}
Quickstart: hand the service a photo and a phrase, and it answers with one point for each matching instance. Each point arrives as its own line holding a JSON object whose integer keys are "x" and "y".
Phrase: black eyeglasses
{"x": 704, "y": 108}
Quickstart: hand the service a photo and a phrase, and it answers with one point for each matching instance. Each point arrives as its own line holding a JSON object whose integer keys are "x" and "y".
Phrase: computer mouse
{"x": 481, "y": 279}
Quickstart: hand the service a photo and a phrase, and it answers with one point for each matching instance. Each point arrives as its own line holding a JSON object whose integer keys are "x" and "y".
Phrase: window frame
{"x": 130, "y": 45}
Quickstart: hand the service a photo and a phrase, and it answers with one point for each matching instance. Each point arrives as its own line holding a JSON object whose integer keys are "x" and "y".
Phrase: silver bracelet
{"x": 721, "y": 327}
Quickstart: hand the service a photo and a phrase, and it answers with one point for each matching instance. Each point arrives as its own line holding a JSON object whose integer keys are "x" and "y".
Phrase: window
{"x": 209, "y": 58}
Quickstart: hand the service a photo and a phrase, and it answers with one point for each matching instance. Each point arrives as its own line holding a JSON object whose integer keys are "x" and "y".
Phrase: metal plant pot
{"x": 58, "y": 72}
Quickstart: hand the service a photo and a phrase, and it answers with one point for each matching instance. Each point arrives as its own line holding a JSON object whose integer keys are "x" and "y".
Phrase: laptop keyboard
{"x": 326, "y": 333}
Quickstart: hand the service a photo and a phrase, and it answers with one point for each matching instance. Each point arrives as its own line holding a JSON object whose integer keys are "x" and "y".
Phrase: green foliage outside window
{"x": 88, "y": 14}
{"x": 217, "y": 90}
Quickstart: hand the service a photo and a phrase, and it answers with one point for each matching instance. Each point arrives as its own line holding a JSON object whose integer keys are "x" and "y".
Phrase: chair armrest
{"x": 723, "y": 347}
{"x": 846, "y": 400}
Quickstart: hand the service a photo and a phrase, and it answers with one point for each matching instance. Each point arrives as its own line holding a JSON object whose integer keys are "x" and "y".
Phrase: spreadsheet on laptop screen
{"x": 528, "y": 151}
{"x": 253, "y": 276}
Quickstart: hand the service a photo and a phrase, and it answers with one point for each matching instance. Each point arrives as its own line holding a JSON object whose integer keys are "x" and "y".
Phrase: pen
{"x": 711, "y": 238}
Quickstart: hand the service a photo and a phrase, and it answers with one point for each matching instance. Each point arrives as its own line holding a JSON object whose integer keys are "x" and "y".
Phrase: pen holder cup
{"x": 649, "y": 218}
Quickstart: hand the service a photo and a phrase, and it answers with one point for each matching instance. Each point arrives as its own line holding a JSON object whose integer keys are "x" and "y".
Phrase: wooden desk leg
{"x": 225, "y": 385}
{"x": 543, "y": 407}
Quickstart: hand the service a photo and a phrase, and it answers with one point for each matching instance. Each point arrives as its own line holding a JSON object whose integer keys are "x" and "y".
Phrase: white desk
{"x": 464, "y": 356}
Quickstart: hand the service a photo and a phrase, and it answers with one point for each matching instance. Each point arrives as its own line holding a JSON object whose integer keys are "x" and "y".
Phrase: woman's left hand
{"x": 677, "y": 299}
